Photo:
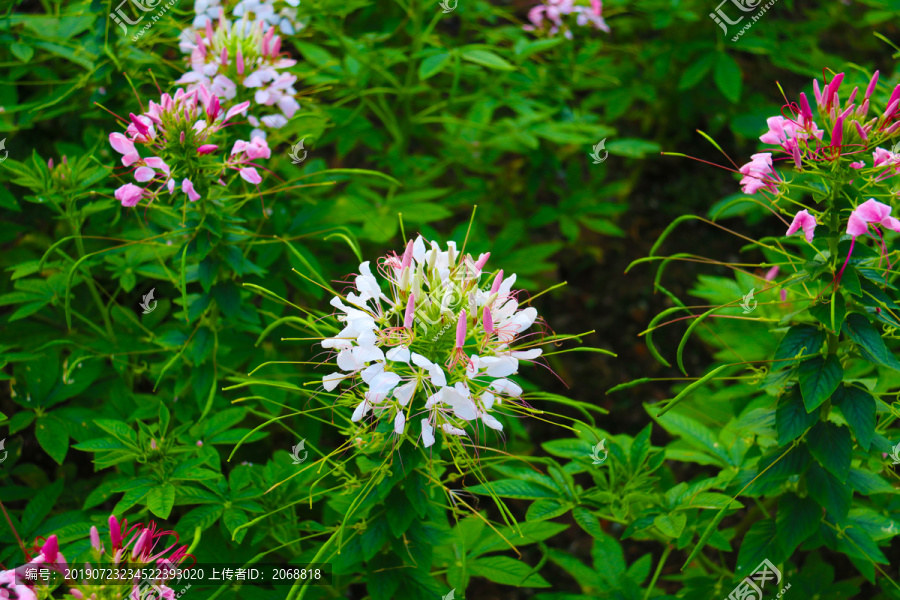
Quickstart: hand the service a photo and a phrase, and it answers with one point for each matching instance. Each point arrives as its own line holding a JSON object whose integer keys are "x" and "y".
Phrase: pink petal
{"x": 250, "y": 175}
{"x": 144, "y": 174}
{"x": 121, "y": 144}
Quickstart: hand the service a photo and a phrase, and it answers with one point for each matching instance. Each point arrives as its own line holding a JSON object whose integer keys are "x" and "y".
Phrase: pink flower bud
{"x": 872, "y": 85}
{"x": 50, "y": 549}
{"x": 891, "y": 109}
{"x": 199, "y": 443}
{"x": 852, "y": 96}
{"x": 482, "y": 260}
{"x": 207, "y": 149}
{"x": 181, "y": 137}
{"x": 240, "y": 62}
{"x": 805, "y": 110}
{"x": 223, "y": 58}
{"x": 153, "y": 444}
{"x": 209, "y": 29}
{"x": 497, "y": 281}
{"x": 410, "y": 311}
{"x": 50, "y": 164}
{"x": 95, "y": 538}
{"x": 461, "y": 330}
{"x": 488, "y": 320}
{"x": 115, "y": 532}
{"x": 860, "y": 130}
{"x": 76, "y": 593}
{"x": 201, "y": 47}
{"x": 139, "y": 545}
{"x": 407, "y": 255}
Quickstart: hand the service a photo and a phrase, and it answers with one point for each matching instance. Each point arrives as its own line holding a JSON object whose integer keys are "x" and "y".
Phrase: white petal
{"x": 451, "y": 430}
{"x": 501, "y": 366}
{"x": 491, "y": 422}
{"x": 419, "y": 250}
{"x": 346, "y": 360}
{"x": 527, "y": 354}
{"x": 505, "y": 386}
{"x": 404, "y": 393}
{"x": 329, "y": 382}
{"x": 427, "y": 433}
{"x": 487, "y": 399}
{"x": 369, "y": 373}
{"x": 360, "y": 411}
{"x": 399, "y": 423}
{"x": 398, "y": 354}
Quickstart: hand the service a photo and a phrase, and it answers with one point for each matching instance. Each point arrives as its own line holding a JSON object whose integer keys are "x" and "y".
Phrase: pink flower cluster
{"x": 253, "y": 68}
{"x": 554, "y": 11}
{"x": 176, "y": 138}
{"x": 14, "y": 586}
{"x": 801, "y": 139}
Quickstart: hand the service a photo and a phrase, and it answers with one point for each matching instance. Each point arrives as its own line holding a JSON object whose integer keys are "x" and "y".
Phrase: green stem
{"x": 659, "y": 568}
{"x": 76, "y": 229}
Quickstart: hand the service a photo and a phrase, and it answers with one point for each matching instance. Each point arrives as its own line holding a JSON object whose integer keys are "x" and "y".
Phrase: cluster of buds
{"x": 237, "y": 61}
{"x": 438, "y": 348}
{"x": 15, "y": 584}
{"x": 554, "y": 11}
{"x": 132, "y": 547}
{"x": 853, "y": 135}
{"x": 179, "y": 138}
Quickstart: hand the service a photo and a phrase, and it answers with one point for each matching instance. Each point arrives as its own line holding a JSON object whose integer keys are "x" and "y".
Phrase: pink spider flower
{"x": 177, "y": 134}
{"x": 803, "y": 220}
{"x": 759, "y": 174}
{"x": 869, "y": 212}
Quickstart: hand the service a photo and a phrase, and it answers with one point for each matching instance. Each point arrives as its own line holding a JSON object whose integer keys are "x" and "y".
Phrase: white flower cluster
{"x": 386, "y": 342}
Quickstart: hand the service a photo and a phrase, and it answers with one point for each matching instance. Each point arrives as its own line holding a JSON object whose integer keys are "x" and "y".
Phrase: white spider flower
{"x": 438, "y": 347}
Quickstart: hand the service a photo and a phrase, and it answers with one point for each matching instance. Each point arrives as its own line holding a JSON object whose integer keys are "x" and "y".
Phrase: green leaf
{"x": 696, "y": 71}
{"x": 588, "y": 522}
{"x": 791, "y": 417}
{"x": 832, "y": 447}
{"x": 867, "y": 483}
{"x": 53, "y": 436}
{"x": 760, "y": 543}
{"x": 800, "y": 340}
{"x": 507, "y": 571}
{"x": 822, "y": 312}
{"x": 858, "y": 407}
{"x": 632, "y": 148}
{"x": 433, "y": 65}
{"x": 728, "y": 77}
{"x": 541, "y": 510}
{"x": 40, "y": 506}
{"x": 234, "y": 518}
{"x": 609, "y": 560}
{"x": 871, "y": 346}
{"x": 119, "y": 430}
{"x": 513, "y": 488}
{"x": 818, "y": 379}
{"x": 830, "y": 492}
{"x": 672, "y": 524}
{"x": 399, "y": 515}
{"x": 22, "y": 51}
{"x": 798, "y": 518}
{"x": 487, "y": 59}
{"x": 161, "y": 499}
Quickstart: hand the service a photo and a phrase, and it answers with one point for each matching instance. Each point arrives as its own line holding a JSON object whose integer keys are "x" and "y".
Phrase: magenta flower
{"x": 759, "y": 174}
{"x": 129, "y": 194}
{"x": 785, "y": 133}
{"x": 805, "y": 221}
{"x": 124, "y": 146}
{"x": 188, "y": 188}
{"x": 871, "y": 211}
